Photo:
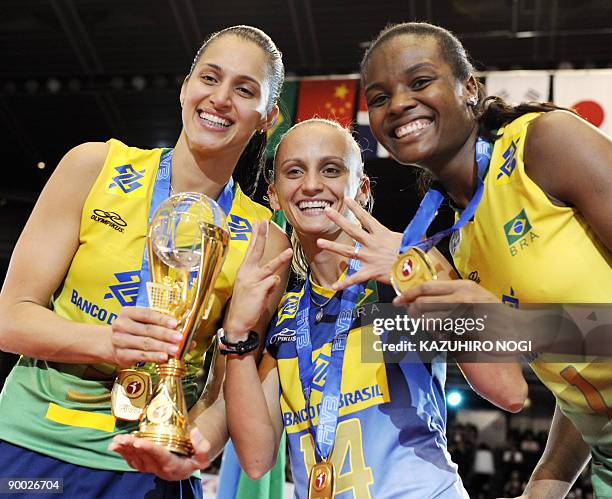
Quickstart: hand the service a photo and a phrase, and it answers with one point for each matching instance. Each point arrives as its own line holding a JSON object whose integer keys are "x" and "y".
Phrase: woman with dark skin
{"x": 427, "y": 109}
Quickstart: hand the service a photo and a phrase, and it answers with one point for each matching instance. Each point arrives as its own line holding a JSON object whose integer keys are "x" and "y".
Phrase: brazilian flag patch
{"x": 368, "y": 295}
{"x": 517, "y": 228}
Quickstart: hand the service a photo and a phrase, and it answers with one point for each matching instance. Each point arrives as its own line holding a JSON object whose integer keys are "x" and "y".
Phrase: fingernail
{"x": 162, "y": 357}
{"x": 173, "y": 349}
{"x": 171, "y": 323}
{"x": 177, "y": 337}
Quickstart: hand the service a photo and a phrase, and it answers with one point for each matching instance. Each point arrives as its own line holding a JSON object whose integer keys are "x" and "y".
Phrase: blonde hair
{"x": 299, "y": 265}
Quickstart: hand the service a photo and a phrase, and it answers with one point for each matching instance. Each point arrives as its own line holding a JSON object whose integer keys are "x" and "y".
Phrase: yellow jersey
{"x": 525, "y": 249}
{"x": 63, "y": 410}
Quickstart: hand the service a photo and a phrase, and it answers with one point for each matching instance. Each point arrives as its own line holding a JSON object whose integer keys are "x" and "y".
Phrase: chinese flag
{"x": 333, "y": 99}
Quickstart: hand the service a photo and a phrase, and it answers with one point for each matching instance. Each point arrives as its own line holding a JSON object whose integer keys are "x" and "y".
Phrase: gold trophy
{"x": 187, "y": 242}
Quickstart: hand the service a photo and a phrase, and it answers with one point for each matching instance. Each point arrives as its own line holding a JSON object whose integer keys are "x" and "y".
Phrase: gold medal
{"x": 131, "y": 392}
{"x": 411, "y": 268}
{"x": 322, "y": 481}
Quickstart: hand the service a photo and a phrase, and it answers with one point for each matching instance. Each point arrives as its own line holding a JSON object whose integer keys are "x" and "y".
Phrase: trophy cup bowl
{"x": 187, "y": 242}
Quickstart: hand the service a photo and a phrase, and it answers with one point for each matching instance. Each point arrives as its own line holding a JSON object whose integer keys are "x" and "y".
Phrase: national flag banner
{"x": 286, "y": 107}
{"x": 519, "y": 86}
{"x": 370, "y": 148}
{"x": 329, "y": 98}
{"x": 588, "y": 92}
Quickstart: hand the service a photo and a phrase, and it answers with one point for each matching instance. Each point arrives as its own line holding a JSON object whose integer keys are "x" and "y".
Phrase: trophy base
{"x": 165, "y": 420}
{"x": 174, "y": 443}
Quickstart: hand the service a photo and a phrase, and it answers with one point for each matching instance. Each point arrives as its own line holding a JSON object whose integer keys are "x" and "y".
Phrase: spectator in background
{"x": 514, "y": 487}
{"x": 484, "y": 469}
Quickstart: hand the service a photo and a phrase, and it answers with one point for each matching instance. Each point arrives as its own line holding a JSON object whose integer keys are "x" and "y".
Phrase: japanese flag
{"x": 519, "y": 86}
{"x": 588, "y": 92}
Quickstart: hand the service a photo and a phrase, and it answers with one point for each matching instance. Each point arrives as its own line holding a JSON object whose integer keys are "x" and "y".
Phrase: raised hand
{"x": 143, "y": 335}
{"x": 254, "y": 282}
{"x": 379, "y": 245}
{"x": 149, "y": 457}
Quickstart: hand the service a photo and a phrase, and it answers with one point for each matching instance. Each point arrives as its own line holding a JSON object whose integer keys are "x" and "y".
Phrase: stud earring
{"x": 472, "y": 101}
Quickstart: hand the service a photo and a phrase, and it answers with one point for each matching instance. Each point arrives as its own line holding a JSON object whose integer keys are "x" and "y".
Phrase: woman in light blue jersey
{"x": 373, "y": 428}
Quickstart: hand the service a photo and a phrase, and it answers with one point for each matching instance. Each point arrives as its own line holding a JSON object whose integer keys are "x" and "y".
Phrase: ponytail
{"x": 252, "y": 163}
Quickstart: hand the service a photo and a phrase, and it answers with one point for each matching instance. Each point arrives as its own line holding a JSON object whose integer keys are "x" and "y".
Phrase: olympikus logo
{"x": 126, "y": 291}
{"x": 283, "y": 336}
{"x": 128, "y": 179}
{"x": 109, "y": 218}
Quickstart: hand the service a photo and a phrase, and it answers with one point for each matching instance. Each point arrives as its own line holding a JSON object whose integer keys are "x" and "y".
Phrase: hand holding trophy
{"x": 187, "y": 242}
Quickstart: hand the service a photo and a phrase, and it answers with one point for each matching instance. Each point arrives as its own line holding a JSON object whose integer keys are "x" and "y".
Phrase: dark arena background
{"x": 87, "y": 70}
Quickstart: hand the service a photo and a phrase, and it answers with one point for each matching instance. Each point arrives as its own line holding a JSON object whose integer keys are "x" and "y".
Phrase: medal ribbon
{"x": 416, "y": 229}
{"x": 161, "y": 191}
{"x": 325, "y": 432}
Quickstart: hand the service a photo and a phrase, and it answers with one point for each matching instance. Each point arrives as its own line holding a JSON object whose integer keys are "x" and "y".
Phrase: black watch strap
{"x": 240, "y": 347}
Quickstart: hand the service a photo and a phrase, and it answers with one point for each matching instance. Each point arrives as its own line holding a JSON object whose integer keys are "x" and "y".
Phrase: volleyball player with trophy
{"x": 74, "y": 302}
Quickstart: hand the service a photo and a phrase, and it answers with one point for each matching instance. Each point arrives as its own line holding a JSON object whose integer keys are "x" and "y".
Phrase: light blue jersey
{"x": 390, "y": 439}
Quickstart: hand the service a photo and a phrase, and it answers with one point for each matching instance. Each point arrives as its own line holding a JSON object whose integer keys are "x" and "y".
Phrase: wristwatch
{"x": 240, "y": 347}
